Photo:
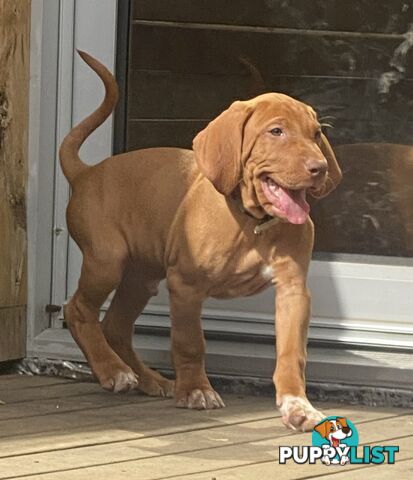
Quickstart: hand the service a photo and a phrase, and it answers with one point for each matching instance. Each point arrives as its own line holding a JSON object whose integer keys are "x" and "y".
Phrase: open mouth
{"x": 287, "y": 203}
{"x": 335, "y": 441}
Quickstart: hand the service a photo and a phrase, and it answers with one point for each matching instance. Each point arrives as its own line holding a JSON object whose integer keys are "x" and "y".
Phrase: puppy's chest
{"x": 248, "y": 273}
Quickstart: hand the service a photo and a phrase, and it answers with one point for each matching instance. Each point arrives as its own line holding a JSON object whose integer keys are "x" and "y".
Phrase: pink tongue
{"x": 293, "y": 205}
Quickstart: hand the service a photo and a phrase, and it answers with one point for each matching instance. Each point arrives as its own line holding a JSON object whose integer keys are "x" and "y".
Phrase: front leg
{"x": 192, "y": 387}
{"x": 292, "y": 318}
{"x": 292, "y": 321}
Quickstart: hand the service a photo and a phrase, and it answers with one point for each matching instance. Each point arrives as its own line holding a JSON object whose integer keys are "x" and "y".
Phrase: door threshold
{"x": 332, "y": 372}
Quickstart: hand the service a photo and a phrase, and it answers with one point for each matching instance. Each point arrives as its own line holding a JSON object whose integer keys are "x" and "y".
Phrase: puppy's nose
{"x": 316, "y": 168}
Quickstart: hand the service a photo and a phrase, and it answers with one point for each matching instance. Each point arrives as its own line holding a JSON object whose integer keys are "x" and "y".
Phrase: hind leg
{"x": 130, "y": 299}
{"x": 100, "y": 275}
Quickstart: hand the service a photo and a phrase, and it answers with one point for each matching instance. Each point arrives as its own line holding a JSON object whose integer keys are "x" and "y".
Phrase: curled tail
{"x": 70, "y": 161}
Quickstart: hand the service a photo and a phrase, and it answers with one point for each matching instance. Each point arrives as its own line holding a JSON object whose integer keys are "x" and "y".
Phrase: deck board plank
{"x": 255, "y": 460}
{"x": 43, "y": 392}
{"x": 402, "y": 470}
{"x": 120, "y": 422}
{"x": 20, "y": 382}
{"x": 99, "y": 435}
{"x": 58, "y": 406}
{"x": 75, "y": 429}
{"x": 258, "y": 438}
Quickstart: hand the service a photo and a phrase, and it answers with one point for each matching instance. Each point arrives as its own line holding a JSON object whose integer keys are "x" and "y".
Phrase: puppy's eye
{"x": 338, "y": 427}
{"x": 317, "y": 135}
{"x": 277, "y": 132}
{"x": 331, "y": 428}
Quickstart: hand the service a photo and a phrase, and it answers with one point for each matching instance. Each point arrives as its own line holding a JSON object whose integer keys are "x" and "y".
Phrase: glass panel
{"x": 372, "y": 118}
{"x": 350, "y": 60}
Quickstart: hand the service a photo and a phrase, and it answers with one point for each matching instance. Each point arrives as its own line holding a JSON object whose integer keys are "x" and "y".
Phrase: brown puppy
{"x": 190, "y": 216}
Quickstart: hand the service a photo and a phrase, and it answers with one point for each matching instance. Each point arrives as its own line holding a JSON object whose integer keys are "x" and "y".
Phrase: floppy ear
{"x": 342, "y": 421}
{"x": 334, "y": 175}
{"x": 322, "y": 429}
{"x": 218, "y": 148}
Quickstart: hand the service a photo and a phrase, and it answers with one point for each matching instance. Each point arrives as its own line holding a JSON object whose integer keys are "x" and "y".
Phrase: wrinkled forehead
{"x": 271, "y": 106}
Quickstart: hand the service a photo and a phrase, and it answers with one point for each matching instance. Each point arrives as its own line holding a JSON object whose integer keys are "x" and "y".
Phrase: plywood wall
{"x": 14, "y": 86}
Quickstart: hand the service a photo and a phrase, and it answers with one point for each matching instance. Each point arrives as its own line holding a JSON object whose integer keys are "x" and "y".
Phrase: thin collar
{"x": 263, "y": 224}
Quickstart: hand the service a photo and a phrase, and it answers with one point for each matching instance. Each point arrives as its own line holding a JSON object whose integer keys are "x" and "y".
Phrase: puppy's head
{"x": 273, "y": 148}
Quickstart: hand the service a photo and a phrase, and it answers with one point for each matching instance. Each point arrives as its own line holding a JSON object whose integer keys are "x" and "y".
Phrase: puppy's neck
{"x": 264, "y": 221}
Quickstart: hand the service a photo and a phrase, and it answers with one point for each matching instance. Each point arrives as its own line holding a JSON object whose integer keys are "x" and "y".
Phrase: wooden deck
{"x": 53, "y": 428}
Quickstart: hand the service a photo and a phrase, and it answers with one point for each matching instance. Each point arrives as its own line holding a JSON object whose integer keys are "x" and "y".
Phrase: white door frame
{"x": 354, "y": 303}
{"x": 58, "y": 27}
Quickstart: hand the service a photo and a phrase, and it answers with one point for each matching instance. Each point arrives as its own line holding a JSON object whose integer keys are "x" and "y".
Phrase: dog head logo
{"x": 334, "y": 430}
{"x": 335, "y": 435}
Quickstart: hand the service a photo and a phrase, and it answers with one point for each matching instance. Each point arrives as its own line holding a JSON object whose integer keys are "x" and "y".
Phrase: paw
{"x": 117, "y": 379}
{"x": 155, "y": 385}
{"x": 205, "y": 399}
{"x": 344, "y": 459}
{"x": 326, "y": 460}
{"x": 298, "y": 413}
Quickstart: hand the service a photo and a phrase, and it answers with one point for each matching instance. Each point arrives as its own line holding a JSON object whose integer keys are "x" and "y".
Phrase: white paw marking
{"x": 298, "y": 413}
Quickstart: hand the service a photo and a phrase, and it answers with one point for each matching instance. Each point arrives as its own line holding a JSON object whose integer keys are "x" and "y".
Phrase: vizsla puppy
{"x": 191, "y": 217}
